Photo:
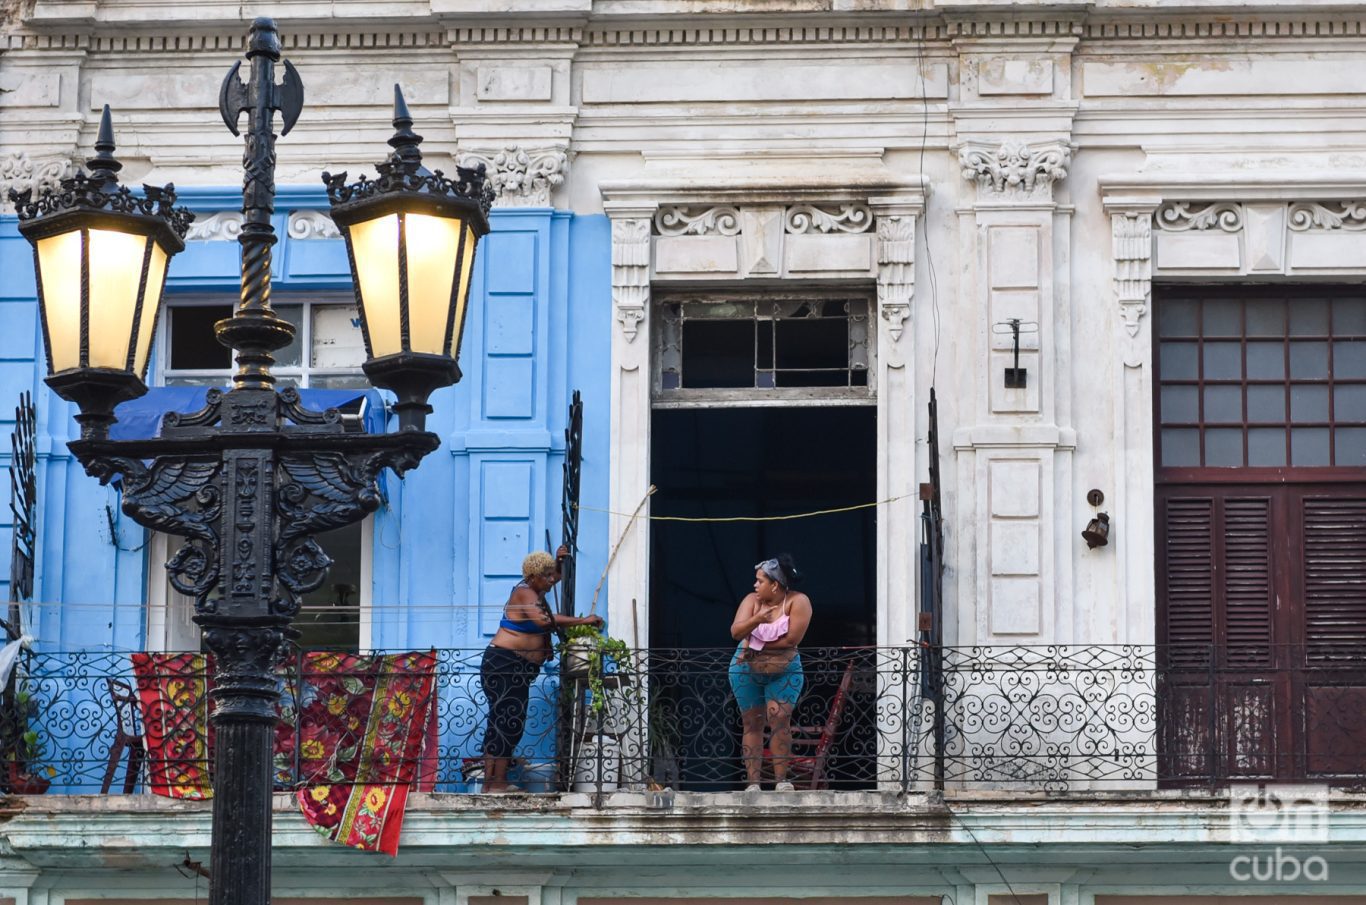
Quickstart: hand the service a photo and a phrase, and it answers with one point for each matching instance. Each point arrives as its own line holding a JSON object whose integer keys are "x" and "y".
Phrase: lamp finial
{"x": 103, "y": 165}
{"x": 405, "y": 140}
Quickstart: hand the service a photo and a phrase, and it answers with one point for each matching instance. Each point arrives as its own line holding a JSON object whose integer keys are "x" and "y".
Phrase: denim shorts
{"x": 752, "y": 689}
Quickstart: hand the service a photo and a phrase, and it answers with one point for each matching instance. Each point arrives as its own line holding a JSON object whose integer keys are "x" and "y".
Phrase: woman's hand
{"x": 595, "y": 620}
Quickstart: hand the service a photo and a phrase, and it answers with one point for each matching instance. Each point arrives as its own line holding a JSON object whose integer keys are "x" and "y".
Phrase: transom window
{"x": 327, "y": 353}
{"x": 326, "y": 325}
{"x": 777, "y": 346}
{"x": 1262, "y": 377}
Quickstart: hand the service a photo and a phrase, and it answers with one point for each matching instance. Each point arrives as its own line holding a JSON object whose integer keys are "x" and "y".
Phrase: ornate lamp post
{"x": 253, "y": 476}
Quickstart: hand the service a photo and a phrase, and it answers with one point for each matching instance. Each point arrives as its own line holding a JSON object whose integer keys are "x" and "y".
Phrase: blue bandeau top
{"x": 525, "y": 626}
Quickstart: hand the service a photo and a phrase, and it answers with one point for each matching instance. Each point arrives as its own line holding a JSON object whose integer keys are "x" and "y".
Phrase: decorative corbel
{"x": 895, "y": 270}
{"x": 630, "y": 273}
{"x": 523, "y": 177}
{"x": 1015, "y": 171}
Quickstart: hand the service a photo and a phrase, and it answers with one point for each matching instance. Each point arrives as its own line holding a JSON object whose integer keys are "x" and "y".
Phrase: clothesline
{"x": 751, "y": 518}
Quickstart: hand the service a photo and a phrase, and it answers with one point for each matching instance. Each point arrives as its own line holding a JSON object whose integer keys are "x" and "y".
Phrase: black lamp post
{"x": 251, "y": 478}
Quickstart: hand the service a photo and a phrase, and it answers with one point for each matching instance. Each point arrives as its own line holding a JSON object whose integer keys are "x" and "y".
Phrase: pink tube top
{"x": 765, "y": 632}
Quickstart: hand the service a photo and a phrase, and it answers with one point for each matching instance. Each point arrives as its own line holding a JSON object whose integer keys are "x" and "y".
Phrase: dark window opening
{"x": 192, "y": 344}
{"x": 718, "y": 354}
{"x": 763, "y": 344}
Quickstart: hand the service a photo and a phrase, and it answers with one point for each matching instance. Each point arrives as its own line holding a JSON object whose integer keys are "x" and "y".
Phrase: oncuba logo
{"x": 1278, "y": 867}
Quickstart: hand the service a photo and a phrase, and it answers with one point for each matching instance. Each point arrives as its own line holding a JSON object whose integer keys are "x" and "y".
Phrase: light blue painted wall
{"x": 448, "y": 545}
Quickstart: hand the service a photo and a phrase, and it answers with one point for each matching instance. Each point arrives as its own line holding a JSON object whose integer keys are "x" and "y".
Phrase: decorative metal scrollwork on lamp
{"x": 251, "y": 478}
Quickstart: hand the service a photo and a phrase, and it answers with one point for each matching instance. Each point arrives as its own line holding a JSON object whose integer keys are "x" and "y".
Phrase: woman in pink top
{"x": 766, "y": 674}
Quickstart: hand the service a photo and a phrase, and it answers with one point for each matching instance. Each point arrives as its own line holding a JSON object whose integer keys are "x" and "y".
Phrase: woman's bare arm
{"x": 748, "y": 616}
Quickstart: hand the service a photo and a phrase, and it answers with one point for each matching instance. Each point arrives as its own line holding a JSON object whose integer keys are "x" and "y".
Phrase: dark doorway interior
{"x": 715, "y": 463}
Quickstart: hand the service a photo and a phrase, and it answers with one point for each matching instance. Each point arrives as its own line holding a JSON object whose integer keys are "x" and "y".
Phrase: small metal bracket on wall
{"x": 1016, "y": 377}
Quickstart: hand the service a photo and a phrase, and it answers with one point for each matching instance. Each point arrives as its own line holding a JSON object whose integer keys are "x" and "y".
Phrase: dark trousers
{"x": 506, "y": 679}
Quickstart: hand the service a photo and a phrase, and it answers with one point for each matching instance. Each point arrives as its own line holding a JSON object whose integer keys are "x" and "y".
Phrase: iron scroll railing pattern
{"x": 1061, "y": 718}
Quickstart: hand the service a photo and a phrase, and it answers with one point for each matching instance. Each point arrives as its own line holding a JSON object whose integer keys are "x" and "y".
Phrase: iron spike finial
{"x": 103, "y": 165}
{"x": 405, "y": 140}
{"x": 264, "y": 38}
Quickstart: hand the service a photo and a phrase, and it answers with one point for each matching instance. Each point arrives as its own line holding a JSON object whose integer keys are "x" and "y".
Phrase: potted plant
{"x": 584, "y": 653}
{"x": 24, "y": 775}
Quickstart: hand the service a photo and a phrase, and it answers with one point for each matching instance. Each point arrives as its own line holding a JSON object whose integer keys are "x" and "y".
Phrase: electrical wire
{"x": 924, "y": 142}
{"x": 754, "y": 518}
{"x": 983, "y": 849}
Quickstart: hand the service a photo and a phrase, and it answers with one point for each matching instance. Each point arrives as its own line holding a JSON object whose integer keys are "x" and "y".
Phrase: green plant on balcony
{"x": 584, "y": 653}
{"x": 26, "y": 774}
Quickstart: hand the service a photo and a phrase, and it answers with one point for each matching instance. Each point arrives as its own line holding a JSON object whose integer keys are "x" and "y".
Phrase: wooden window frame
{"x": 1244, "y": 474}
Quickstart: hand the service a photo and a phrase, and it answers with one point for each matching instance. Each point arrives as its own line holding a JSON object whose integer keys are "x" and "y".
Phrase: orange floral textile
{"x": 354, "y": 734}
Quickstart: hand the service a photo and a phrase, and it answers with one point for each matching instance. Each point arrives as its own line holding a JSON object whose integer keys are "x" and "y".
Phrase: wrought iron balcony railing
{"x": 1055, "y": 718}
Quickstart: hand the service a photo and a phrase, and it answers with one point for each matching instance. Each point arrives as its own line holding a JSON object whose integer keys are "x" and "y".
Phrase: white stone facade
{"x": 1044, "y": 163}
{"x": 966, "y": 162}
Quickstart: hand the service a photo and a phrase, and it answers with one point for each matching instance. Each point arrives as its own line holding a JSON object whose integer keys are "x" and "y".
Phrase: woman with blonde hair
{"x": 514, "y": 658}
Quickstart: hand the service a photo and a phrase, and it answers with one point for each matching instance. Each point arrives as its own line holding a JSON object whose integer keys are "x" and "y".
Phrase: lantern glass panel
{"x": 115, "y": 274}
{"x": 151, "y": 301}
{"x": 374, "y": 245}
{"x": 462, "y": 301}
{"x": 432, "y": 247}
{"x": 59, "y": 267}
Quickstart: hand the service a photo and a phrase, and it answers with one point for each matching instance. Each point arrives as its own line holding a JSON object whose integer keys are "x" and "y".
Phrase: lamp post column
{"x": 244, "y": 627}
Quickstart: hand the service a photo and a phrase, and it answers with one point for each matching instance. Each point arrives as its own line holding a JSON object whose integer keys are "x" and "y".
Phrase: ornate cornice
{"x": 665, "y": 32}
{"x": 19, "y": 173}
{"x": 1015, "y": 170}
{"x": 521, "y": 177}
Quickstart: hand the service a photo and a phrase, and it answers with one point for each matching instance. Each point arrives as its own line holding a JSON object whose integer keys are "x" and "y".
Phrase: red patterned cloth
{"x": 363, "y": 720}
{"x": 365, "y": 725}
{"x": 174, "y": 692}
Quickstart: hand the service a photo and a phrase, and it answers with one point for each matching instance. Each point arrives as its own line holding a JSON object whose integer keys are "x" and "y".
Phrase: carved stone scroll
{"x": 224, "y": 225}
{"x": 841, "y": 218}
{"x": 1180, "y": 216}
{"x": 312, "y": 225}
{"x": 1348, "y": 215}
{"x": 679, "y": 220}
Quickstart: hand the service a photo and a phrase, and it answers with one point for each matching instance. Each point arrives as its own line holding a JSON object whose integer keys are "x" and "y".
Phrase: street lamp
{"x": 251, "y": 478}
{"x": 100, "y": 254}
{"x": 410, "y": 237}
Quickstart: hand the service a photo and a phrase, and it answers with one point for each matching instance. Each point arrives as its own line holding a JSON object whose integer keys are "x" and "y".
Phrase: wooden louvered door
{"x": 1260, "y": 408}
{"x": 1329, "y": 666}
{"x": 1226, "y": 689}
{"x": 1262, "y": 620}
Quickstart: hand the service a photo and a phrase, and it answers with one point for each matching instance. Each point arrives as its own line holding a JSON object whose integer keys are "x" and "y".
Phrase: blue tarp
{"x": 140, "y": 418}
